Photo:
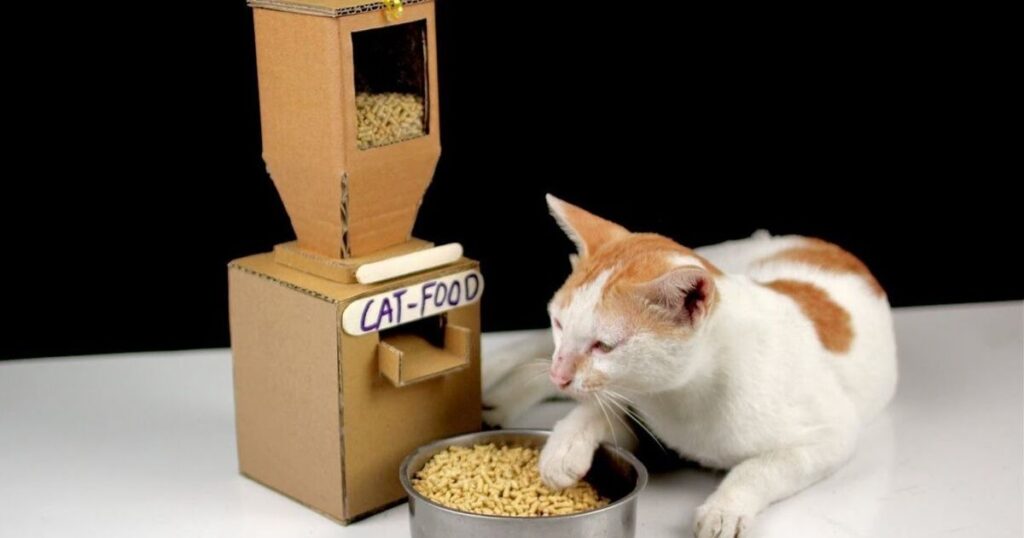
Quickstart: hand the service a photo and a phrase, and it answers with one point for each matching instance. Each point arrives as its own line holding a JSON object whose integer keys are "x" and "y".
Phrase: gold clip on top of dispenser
{"x": 334, "y": 8}
{"x": 349, "y": 116}
{"x": 393, "y": 9}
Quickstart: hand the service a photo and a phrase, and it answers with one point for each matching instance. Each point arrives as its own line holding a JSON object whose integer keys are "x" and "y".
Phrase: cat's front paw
{"x": 494, "y": 415}
{"x": 714, "y": 521}
{"x": 564, "y": 461}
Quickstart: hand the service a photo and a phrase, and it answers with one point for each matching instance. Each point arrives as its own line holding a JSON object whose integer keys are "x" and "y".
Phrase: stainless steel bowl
{"x": 615, "y": 474}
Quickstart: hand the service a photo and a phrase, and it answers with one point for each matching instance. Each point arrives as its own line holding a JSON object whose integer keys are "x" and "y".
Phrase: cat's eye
{"x": 558, "y": 325}
{"x": 601, "y": 347}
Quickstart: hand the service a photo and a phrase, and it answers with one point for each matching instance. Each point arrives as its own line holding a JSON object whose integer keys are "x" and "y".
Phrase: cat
{"x": 764, "y": 356}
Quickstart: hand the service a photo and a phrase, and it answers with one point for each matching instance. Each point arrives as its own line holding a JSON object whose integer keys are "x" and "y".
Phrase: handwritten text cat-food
{"x": 500, "y": 481}
{"x": 404, "y": 305}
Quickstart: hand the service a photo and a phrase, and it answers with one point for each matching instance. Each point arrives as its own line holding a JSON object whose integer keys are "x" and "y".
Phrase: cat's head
{"x": 632, "y": 312}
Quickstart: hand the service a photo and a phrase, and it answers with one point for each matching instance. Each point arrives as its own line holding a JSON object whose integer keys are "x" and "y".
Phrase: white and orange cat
{"x": 764, "y": 356}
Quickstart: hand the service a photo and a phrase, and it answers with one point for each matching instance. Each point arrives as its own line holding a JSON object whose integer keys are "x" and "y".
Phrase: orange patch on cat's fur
{"x": 594, "y": 379}
{"x": 587, "y": 230}
{"x": 828, "y": 256}
{"x": 831, "y": 321}
{"x": 635, "y": 259}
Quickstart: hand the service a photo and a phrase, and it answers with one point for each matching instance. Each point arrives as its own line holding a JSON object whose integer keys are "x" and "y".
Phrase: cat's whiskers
{"x": 625, "y": 409}
{"x": 618, "y": 416}
{"x": 536, "y": 376}
{"x": 540, "y": 365}
{"x": 629, "y": 396}
{"x": 625, "y": 395}
{"x": 638, "y": 422}
{"x": 620, "y": 396}
{"x": 611, "y": 427}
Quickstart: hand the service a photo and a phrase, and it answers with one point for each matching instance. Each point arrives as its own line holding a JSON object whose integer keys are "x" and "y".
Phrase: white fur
{"x": 736, "y": 257}
{"x": 580, "y": 325}
{"x": 753, "y": 391}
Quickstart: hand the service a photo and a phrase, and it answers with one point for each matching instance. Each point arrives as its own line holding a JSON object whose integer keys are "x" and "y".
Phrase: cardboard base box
{"x": 325, "y": 416}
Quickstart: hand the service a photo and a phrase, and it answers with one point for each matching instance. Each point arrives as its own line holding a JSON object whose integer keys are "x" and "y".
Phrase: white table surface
{"x": 144, "y": 445}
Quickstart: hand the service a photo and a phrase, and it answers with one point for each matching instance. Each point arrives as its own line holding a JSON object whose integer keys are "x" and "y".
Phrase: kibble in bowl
{"x": 499, "y": 481}
{"x": 488, "y": 484}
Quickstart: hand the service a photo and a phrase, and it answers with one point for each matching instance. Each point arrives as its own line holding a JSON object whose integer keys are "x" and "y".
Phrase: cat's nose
{"x": 560, "y": 378}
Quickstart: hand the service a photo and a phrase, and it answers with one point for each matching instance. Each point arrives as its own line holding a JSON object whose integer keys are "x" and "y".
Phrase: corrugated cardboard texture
{"x": 342, "y": 201}
{"x": 286, "y": 392}
{"x": 301, "y": 109}
{"x": 339, "y": 269}
{"x": 397, "y": 420}
{"x": 327, "y": 8}
{"x": 379, "y": 424}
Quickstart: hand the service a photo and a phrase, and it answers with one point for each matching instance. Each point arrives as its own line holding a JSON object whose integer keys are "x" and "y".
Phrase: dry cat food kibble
{"x": 386, "y": 118}
{"x": 499, "y": 481}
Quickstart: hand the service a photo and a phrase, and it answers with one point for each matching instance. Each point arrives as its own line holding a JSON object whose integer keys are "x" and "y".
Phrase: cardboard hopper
{"x": 342, "y": 201}
{"x": 316, "y": 419}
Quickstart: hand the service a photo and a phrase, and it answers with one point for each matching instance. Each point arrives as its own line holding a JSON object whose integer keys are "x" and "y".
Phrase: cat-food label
{"x": 404, "y": 305}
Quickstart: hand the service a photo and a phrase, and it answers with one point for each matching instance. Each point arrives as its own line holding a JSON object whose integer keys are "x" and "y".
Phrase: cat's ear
{"x": 686, "y": 294}
{"x": 588, "y": 231}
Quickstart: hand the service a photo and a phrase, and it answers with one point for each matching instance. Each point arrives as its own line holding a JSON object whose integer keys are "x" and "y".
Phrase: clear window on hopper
{"x": 391, "y": 84}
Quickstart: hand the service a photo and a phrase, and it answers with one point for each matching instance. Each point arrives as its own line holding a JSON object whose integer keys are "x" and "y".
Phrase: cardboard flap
{"x": 407, "y": 358}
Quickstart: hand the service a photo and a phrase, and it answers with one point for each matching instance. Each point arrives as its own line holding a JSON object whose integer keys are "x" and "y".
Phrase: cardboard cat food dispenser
{"x": 356, "y": 343}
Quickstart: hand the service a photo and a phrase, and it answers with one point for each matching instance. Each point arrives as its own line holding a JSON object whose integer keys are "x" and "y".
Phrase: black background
{"x": 134, "y": 171}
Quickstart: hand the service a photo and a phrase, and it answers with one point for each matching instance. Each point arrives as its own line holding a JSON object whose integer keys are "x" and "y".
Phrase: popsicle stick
{"x": 408, "y": 263}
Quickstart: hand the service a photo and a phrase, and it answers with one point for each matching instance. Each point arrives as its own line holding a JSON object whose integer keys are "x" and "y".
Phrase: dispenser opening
{"x": 390, "y": 67}
{"x": 422, "y": 350}
{"x": 429, "y": 329}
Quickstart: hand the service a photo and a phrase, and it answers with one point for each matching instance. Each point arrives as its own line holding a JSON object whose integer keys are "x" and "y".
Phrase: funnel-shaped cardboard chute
{"x": 348, "y": 102}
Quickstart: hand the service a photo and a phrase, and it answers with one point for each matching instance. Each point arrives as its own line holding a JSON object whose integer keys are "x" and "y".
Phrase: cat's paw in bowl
{"x": 564, "y": 461}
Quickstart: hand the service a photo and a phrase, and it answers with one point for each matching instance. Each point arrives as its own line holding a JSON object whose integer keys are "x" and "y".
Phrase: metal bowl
{"x": 615, "y": 473}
